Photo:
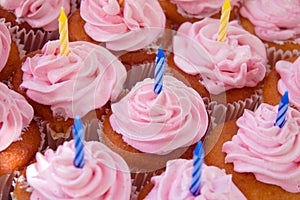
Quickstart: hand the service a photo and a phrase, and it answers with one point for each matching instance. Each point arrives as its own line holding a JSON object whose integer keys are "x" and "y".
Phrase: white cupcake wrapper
{"x": 20, "y": 46}
{"x": 225, "y": 112}
{"x": 278, "y": 54}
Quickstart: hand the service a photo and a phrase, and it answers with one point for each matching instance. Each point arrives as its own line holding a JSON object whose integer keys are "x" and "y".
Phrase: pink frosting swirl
{"x": 105, "y": 175}
{"x": 5, "y": 41}
{"x": 15, "y": 114}
{"x": 131, "y": 27}
{"x": 238, "y": 62}
{"x": 201, "y": 8}
{"x": 289, "y": 80}
{"x": 84, "y": 80}
{"x": 271, "y": 153}
{"x": 38, "y": 13}
{"x": 174, "y": 183}
{"x": 160, "y": 123}
{"x": 276, "y": 20}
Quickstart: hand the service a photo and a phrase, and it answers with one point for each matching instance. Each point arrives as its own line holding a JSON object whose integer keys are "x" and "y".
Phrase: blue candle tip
{"x": 78, "y": 125}
{"x": 160, "y": 53}
{"x": 198, "y": 150}
{"x": 285, "y": 98}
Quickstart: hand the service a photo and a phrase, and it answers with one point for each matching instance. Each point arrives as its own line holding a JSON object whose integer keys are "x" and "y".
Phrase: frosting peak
{"x": 38, "y": 14}
{"x": 289, "y": 80}
{"x": 84, "y": 80}
{"x": 238, "y": 62}
{"x": 130, "y": 27}
{"x": 175, "y": 181}
{"x": 160, "y": 123}
{"x": 105, "y": 174}
{"x": 271, "y": 153}
{"x": 15, "y": 114}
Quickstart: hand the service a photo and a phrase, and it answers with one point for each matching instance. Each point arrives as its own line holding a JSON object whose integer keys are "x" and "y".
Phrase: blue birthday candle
{"x": 78, "y": 132}
{"x": 198, "y": 159}
{"x": 159, "y": 70}
{"x": 282, "y": 110}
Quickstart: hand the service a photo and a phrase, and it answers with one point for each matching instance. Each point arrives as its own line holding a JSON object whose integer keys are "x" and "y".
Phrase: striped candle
{"x": 159, "y": 70}
{"x": 63, "y": 33}
{"x": 282, "y": 110}
{"x": 224, "y": 21}
{"x": 197, "y": 169}
{"x": 78, "y": 132}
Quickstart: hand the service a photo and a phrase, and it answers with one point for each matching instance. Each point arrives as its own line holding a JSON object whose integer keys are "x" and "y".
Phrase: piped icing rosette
{"x": 289, "y": 80}
{"x": 5, "y": 41}
{"x": 200, "y": 8}
{"x": 161, "y": 123}
{"x": 131, "y": 26}
{"x": 105, "y": 175}
{"x": 174, "y": 183}
{"x": 38, "y": 14}
{"x": 15, "y": 114}
{"x": 271, "y": 153}
{"x": 84, "y": 80}
{"x": 276, "y": 21}
{"x": 238, "y": 62}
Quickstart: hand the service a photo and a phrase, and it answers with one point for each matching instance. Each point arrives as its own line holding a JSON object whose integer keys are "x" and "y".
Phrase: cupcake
{"x": 276, "y": 24}
{"x": 149, "y": 129}
{"x": 174, "y": 183}
{"x": 9, "y": 52}
{"x": 180, "y": 11}
{"x": 105, "y": 175}
{"x": 61, "y": 87}
{"x": 34, "y": 22}
{"x": 230, "y": 73}
{"x": 20, "y": 137}
{"x": 262, "y": 158}
{"x": 130, "y": 26}
{"x": 284, "y": 77}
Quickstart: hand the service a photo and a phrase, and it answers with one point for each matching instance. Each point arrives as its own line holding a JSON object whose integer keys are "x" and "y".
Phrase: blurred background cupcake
{"x": 34, "y": 22}
{"x": 129, "y": 28}
{"x": 230, "y": 73}
{"x": 180, "y": 11}
{"x": 276, "y": 23}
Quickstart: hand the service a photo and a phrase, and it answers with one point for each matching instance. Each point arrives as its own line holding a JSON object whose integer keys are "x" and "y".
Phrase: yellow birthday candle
{"x": 63, "y": 33}
{"x": 224, "y": 21}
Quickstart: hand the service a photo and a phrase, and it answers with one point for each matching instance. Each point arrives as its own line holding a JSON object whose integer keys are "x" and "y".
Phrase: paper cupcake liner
{"x": 20, "y": 46}
{"x": 7, "y": 184}
{"x": 278, "y": 54}
{"x": 225, "y": 112}
{"x": 43, "y": 144}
